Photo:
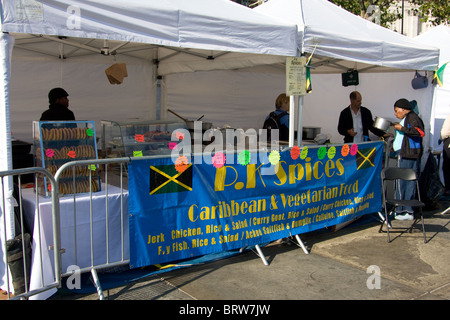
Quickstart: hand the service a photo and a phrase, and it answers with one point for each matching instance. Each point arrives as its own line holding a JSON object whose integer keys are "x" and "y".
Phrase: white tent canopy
{"x": 339, "y": 37}
{"x": 53, "y": 38}
{"x": 65, "y": 28}
{"x": 440, "y": 37}
{"x": 202, "y": 24}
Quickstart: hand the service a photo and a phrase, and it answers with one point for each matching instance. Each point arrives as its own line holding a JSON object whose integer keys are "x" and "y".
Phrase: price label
{"x": 345, "y": 150}
{"x": 304, "y": 153}
{"x": 295, "y": 152}
{"x": 89, "y": 132}
{"x": 49, "y": 153}
{"x": 72, "y": 154}
{"x": 179, "y": 135}
{"x": 137, "y": 153}
{"x": 139, "y": 137}
{"x": 321, "y": 152}
{"x": 331, "y": 152}
{"x": 354, "y": 149}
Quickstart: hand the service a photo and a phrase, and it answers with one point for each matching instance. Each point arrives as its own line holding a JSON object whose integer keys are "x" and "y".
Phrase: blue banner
{"x": 193, "y": 208}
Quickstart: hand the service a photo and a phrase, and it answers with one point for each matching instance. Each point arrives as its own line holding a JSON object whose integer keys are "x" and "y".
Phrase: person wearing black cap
{"x": 58, "y": 109}
{"x": 407, "y": 143}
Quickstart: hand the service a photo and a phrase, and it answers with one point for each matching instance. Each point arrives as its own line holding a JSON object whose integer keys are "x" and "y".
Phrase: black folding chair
{"x": 396, "y": 175}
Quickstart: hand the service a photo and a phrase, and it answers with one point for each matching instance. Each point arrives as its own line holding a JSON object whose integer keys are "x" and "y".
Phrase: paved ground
{"x": 342, "y": 265}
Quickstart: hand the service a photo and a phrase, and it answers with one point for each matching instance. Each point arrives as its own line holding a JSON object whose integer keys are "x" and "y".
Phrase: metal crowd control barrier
{"x": 93, "y": 267}
{"x": 122, "y": 162}
{"x": 64, "y": 172}
{"x": 25, "y": 264}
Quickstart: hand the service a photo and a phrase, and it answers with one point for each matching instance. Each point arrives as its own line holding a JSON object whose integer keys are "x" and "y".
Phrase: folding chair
{"x": 396, "y": 175}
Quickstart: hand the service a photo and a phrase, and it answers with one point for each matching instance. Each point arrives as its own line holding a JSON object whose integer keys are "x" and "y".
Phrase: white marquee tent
{"x": 440, "y": 37}
{"x": 343, "y": 36}
{"x": 67, "y": 29}
{"x": 70, "y": 43}
{"x": 386, "y": 62}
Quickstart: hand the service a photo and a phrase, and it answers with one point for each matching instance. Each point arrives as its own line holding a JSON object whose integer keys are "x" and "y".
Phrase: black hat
{"x": 56, "y": 93}
{"x": 403, "y": 103}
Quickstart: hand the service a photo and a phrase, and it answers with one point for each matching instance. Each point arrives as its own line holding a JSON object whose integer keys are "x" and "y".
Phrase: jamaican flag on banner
{"x": 439, "y": 76}
{"x": 166, "y": 179}
{"x": 365, "y": 158}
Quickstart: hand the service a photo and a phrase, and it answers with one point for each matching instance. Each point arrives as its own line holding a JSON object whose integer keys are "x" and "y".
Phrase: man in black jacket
{"x": 59, "y": 106}
{"x": 355, "y": 121}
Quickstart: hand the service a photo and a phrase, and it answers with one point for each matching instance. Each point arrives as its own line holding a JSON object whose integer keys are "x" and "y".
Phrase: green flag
{"x": 308, "y": 76}
{"x": 439, "y": 75}
{"x": 365, "y": 158}
{"x": 166, "y": 179}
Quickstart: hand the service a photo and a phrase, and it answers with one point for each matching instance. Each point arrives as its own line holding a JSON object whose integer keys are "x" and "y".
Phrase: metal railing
{"x": 70, "y": 169}
{"x": 26, "y": 262}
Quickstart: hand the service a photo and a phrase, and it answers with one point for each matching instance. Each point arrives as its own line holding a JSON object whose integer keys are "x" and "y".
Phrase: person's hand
{"x": 398, "y": 127}
{"x": 351, "y": 132}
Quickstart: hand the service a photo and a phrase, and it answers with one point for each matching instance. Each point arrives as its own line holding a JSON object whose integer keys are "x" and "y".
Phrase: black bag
{"x": 273, "y": 122}
{"x": 430, "y": 185}
{"x": 16, "y": 256}
{"x": 419, "y": 81}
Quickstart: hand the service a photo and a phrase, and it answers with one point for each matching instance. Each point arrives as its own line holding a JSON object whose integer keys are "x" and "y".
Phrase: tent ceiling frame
{"x": 120, "y": 48}
{"x": 333, "y": 63}
{"x": 193, "y": 53}
{"x": 26, "y": 43}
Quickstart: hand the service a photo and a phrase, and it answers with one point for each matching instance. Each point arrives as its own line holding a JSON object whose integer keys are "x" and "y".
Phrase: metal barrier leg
{"x": 301, "y": 244}
{"x": 97, "y": 284}
{"x": 261, "y": 255}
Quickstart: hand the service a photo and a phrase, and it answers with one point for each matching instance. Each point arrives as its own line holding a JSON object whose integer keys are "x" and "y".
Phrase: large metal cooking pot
{"x": 205, "y": 125}
{"x": 190, "y": 123}
{"x": 382, "y": 124}
{"x": 309, "y": 133}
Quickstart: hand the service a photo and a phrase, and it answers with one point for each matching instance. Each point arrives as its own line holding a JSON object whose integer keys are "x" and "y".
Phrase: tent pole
{"x": 158, "y": 97}
{"x": 299, "y": 121}
{"x": 7, "y": 229}
{"x": 291, "y": 120}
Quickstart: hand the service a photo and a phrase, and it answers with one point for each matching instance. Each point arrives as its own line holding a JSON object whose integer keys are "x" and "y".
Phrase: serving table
{"x": 93, "y": 228}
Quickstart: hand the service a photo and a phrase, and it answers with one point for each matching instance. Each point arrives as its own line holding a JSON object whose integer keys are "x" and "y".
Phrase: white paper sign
{"x": 295, "y": 76}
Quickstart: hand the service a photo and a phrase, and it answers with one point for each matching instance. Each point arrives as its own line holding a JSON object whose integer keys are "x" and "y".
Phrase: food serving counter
{"x": 108, "y": 212}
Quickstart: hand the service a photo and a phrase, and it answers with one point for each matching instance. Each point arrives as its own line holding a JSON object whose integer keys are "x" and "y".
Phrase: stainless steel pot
{"x": 190, "y": 123}
{"x": 205, "y": 125}
{"x": 309, "y": 133}
{"x": 382, "y": 124}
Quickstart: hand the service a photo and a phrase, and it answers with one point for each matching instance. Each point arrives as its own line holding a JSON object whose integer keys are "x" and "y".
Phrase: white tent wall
{"x": 7, "y": 226}
{"x": 440, "y": 37}
{"x": 236, "y": 98}
{"x": 91, "y": 96}
{"x": 242, "y": 99}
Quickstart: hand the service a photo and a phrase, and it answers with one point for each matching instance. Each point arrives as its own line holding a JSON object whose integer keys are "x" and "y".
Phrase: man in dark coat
{"x": 355, "y": 121}
{"x": 59, "y": 107}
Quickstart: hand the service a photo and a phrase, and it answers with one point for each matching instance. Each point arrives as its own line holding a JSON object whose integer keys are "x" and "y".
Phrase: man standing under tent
{"x": 58, "y": 109}
{"x": 355, "y": 121}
